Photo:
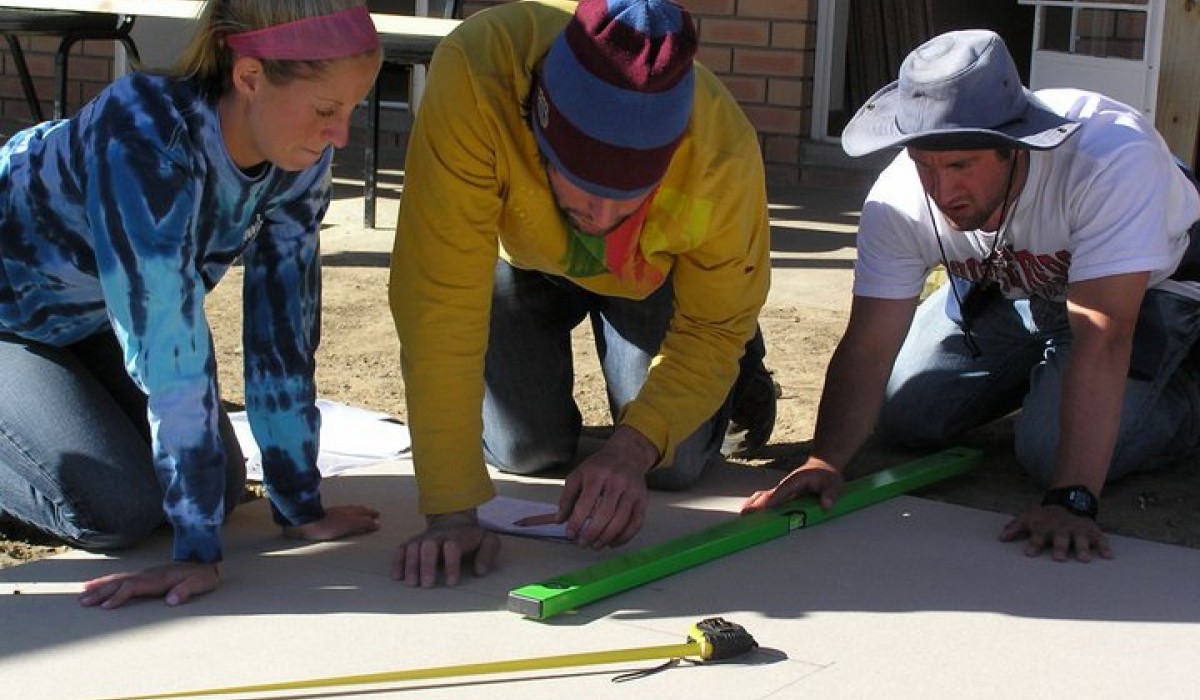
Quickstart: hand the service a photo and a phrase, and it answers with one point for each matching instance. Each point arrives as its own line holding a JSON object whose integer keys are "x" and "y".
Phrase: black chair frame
{"x": 71, "y": 28}
{"x": 397, "y": 52}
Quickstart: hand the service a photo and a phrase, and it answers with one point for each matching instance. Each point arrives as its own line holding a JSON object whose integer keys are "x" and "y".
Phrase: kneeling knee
{"x": 116, "y": 533}
{"x": 906, "y": 428}
{"x": 1036, "y": 450}
{"x": 680, "y": 476}
{"x": 529, "y": 457}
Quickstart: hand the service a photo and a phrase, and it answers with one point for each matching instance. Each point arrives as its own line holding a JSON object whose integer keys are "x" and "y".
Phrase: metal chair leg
{"x": 370, "y": 157}
{"x": 31, "y": 98}
{"x": 61, "y": 58}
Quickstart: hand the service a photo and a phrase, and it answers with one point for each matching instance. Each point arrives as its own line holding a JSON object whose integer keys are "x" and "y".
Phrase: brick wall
{"x": 90, "y": 69}
{"x": 763, "y": 50}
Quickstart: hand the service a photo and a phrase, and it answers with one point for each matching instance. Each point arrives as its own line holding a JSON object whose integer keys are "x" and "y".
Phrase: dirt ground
{"x": 359, "y": 365}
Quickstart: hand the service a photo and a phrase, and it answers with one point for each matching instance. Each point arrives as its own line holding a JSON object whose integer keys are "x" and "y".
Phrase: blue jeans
{"x": 75, "y": 457}
{"x": 530, "y": 420}
{"x": 938, "y": 390}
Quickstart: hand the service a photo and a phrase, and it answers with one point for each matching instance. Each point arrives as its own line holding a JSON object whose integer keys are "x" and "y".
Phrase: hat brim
{"x": 874, "y": 127}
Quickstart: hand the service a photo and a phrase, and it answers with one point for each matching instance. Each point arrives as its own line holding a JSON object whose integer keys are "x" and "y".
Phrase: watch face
{"x": 1077, "y": 499}
{"x": 1080, "y": 500}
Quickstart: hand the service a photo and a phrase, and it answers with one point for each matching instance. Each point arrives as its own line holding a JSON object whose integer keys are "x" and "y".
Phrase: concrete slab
{"x": 812, "y": 246}
{"x": 907, "y": 599}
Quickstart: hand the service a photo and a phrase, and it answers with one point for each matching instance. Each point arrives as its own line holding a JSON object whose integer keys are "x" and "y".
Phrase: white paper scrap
{"x": 502, "y": 513}
{"x": 350, "y": 437}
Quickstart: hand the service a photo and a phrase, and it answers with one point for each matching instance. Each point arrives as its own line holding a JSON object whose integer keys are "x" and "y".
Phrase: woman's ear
{"x": 247, "y": 75}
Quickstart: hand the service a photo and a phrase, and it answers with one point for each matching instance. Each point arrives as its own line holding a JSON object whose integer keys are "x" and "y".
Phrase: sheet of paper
{"x": 502, "y": 513}
{"x": 350, "y": 437}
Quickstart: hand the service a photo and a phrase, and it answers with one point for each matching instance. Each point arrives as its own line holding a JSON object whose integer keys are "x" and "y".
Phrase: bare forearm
{"x": 853, "y": 393}
{"x": 1093, "y": 393}
{"x": 1103, "y": 315}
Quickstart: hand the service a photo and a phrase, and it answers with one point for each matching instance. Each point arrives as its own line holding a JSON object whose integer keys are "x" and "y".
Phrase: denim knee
{"x": 680, "y": 476}
{"x": 118, "y": 528}
{"x": 1036, "y": 430}
{"x": 1035, "y": 443}
{"x": 900, "y": 424}
{"x": 529, "y": 455}
{"x": 694, "y": 456}
{"x": 1157, "y": 430}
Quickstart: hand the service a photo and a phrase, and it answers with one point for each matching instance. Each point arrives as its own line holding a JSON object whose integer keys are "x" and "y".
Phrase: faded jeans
{"x": 937, "y": 390}
{"x": 75, "y": 457}
{"x": 531, "y": 422}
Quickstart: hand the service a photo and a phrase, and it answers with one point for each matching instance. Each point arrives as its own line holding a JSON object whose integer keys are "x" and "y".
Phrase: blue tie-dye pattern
{"x": 124, "y": 217}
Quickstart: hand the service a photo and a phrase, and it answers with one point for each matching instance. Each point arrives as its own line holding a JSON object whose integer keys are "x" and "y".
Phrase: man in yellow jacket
{"x": 571, "y": 161}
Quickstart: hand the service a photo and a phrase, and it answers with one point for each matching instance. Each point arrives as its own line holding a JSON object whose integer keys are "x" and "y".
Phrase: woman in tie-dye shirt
{"x": 114, "y": 224}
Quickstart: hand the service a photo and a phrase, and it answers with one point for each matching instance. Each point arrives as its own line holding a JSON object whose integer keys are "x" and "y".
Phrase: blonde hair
{"x": 209, "y": 61}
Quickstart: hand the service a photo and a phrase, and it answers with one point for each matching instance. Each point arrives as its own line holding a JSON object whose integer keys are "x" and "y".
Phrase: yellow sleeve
{"x": 440, "y": 288}
{"x": 713, "y": 196}
{"x": 470, "y": 154}
{"x": 468, "y": 169}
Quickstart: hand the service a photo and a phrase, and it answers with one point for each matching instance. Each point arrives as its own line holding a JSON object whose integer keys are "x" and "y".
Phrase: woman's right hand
{"x": 177, "y": 582}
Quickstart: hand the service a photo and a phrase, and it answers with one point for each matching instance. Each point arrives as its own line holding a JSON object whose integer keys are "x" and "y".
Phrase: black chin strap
{"x": 967, "y": 318}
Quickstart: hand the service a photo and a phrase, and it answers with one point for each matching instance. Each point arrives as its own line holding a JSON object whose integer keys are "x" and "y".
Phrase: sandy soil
{"x": 359, "y": 365}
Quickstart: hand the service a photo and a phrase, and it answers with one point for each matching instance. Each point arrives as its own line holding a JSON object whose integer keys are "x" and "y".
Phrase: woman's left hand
{"x": 339, "y": 522}
{"x": 176, "y": 582}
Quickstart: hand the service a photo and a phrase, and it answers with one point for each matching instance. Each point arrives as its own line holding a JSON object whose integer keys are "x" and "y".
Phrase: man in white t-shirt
{"x": 1063, "y": 221}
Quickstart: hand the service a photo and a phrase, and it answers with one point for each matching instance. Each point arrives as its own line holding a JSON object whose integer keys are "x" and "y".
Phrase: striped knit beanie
{"x": 615, "y": 95}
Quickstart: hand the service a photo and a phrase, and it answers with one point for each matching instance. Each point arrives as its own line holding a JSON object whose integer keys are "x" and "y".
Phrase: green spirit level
{"x": 548, "y": 598}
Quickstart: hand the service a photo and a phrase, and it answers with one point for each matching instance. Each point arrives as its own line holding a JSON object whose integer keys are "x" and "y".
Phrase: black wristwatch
{"x": 1077, "y": 499}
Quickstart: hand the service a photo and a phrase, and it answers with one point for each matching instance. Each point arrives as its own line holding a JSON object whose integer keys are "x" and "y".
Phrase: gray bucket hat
{"x": 959, "y": 85}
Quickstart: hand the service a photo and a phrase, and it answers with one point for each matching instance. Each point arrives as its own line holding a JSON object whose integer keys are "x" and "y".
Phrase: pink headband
{"x": 347, "y": 33}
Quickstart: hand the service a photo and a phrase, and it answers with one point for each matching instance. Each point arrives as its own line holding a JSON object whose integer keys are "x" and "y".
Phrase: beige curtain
{"x": 881, "y": 33}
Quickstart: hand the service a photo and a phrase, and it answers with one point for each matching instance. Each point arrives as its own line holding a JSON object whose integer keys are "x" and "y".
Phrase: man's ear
{"x": 247, "y": 75}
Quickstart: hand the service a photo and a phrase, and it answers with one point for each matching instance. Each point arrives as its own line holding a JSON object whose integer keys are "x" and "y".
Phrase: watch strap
{"x": 1078, "y": 499}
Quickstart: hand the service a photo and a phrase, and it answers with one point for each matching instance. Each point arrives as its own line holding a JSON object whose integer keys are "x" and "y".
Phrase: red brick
{"x": 746, "y": 90}
{"x": 43, "y": 86}
{"x": 10, "y": 88}
{"x": 98, "y": 48}
{"x": 9, "y": 109}
{"x": 788, "y": 93}
{"x": 782, "y": 149}
{"x": 88, "y": 92}
{"x": 793, "y": 35}
{"x": 777, "y": 9}
{"x": 44, "y": 44}
{"x": 40, "y": 65}
{"x": 775, "y": 120}
{"x": 712, "y": 7}
{"x": 717, "y": 60}
{"x": 74, "y": 101}
{"x": 17, "y": 109}
{"x": 790, "y": 64}
{"x": 93, "y": 68}
{"x": 734, "y": 31}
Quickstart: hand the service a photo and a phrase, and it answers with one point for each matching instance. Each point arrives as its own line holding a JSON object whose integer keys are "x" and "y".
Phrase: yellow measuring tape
{"x": 713, "y": 638}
